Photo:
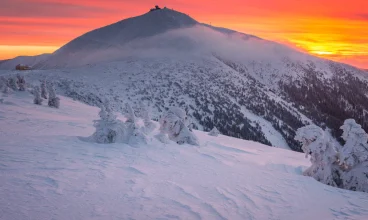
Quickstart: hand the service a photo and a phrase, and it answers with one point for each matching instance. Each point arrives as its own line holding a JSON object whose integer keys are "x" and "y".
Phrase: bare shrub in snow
{"x": 43, "y": 89}
{"x": 12, "y": 84}
{"x": 323, "y": 155}
{"x": 174, "y": 123}
{"x": 37, "y": 97}
{"x": 21, "y": 83}
{"x": 354, "y": 157}
{"x": 54, "y": 101}
{"x": 214, "y": 132}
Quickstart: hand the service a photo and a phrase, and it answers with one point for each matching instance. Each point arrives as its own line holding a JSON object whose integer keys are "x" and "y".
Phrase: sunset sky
{"x": 334, "y": 29}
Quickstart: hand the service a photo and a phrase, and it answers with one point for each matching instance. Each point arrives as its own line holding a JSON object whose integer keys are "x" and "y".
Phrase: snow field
{"x": 47, "y": 171}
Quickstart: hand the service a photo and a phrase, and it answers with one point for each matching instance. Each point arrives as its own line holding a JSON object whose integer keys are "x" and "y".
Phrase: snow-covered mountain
{"x": 156, "y": 30}
{"x": 47, "y": 171}
{"x": 247, "y": 87}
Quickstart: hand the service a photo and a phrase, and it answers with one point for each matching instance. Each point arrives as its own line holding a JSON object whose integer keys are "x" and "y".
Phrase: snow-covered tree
{"x": 111, "y": 130}
{"x": 355, "y": 150}
{"x": 162, "y": 138}
{"x": 307, "y": 135}
{"x": 37, "y": 97}
{"x": 149, "y": 126}
{"x": 108, "y": 128}
{"x": 4, "y": 88}
{"x": 134, "y": 134}
{"x": 130, "y": 114}
{"x": 107, "y": 112}
{"x": 323, "y": 154}
{"x": 174, "y": 123}
{"x": 43, "y": 89}
{"x": 54, "y": 101}
{"x": 214, "y": 132}
{"x": 354, "y": 157}
{"x": 346, "y": 168}
{"x": 21, "y": 83}
{"x": 185, "y": 135}
{"x": 12, "y": 84}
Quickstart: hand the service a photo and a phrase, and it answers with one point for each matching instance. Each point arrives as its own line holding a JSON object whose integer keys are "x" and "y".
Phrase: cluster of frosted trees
{"x": 7, "y": 85}
{"x": 340, "y": 166}
{"x": 136, "y": 127}
{"x": 18, "y": 83}
{"x": 47, "y": 91}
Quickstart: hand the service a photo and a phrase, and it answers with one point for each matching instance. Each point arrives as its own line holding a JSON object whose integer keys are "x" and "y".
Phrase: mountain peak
{"x": 162, "y": 19}
{"x": 149, "y": 24}
{"x": 165, "y": 14}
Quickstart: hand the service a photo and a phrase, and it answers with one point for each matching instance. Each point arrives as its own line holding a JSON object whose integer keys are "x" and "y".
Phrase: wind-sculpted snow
{"x": 48, "y": 172}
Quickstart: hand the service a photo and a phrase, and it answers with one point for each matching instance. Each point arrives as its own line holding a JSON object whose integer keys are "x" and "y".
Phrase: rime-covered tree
{"x": 53, "y": 101}
{"x": 354, "y": 156}
{"x": 355, "y": 150}
{"x": 21, "y": 83}
{"x": 134, "y": 134}
{"x": 12, "y": 84}
{"x": 130, "y": 114}
{"x": 44, "y": 89}
{"x": 162, "y": 138}
{"x": 4, "y": 88}
{"x": 174, "y": 123}
{"x": 323, "y": 154}
{"x": 37, "y": 97}
{"x": 185, "y": 135}
{"x": 2, "y": 82}
{"x": 149, "y": 126}
{"x": 214, "y": 132}
{"x": 108, "y": 128}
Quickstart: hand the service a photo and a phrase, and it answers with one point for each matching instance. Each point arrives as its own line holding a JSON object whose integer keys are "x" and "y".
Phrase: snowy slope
{"x": 48, "y": 172}
{"x": 196, "y": 83}
{"x": 270, "y": 132}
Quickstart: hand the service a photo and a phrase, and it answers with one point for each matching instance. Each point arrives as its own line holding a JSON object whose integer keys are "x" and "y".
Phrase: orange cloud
{"x": 329, "y": 28}
{"x": 14, "y": 51}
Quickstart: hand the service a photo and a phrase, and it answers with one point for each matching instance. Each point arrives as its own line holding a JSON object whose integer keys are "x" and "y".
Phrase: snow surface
{"x": 47, "y": 171}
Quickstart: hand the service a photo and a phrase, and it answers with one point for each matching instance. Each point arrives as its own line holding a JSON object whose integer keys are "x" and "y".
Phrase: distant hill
{"x": 25, "y": 60}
